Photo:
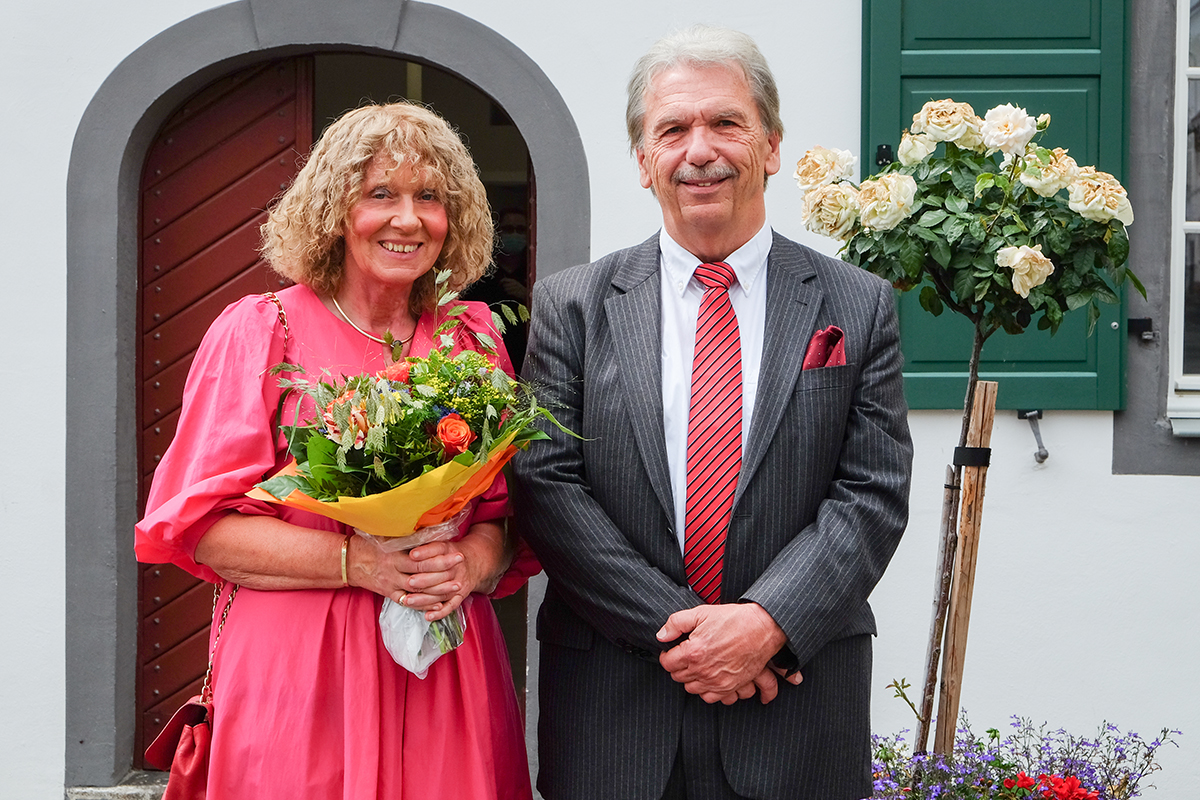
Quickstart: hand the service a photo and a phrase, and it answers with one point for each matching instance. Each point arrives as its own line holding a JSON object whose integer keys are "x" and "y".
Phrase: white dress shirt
{"x": 681, "y": 296}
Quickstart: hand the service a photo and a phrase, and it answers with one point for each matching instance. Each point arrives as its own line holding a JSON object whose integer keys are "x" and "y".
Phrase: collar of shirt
{"x": 749, "y": 262}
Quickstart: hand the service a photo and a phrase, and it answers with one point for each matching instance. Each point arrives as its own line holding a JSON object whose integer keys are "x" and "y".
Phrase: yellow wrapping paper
{"x": 434, "y": 497}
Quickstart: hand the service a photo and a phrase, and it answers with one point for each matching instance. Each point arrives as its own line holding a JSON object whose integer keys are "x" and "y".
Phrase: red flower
{"x": 396, "y": 371}
{"x": 1009, "y": 783}
{"x": 1024, "y": 781}
{"x": 455, "y": 434}
{"x": 1065, "y": 788}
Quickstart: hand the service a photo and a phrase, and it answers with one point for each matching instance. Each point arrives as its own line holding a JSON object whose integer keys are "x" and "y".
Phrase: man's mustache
{"x": 714, "y": 172}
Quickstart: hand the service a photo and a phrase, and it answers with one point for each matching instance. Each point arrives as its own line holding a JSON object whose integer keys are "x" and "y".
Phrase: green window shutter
{"x": 1063, "y": 57}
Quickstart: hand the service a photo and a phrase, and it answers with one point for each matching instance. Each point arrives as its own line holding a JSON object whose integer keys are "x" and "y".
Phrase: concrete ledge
{"x": 136, "y": 786}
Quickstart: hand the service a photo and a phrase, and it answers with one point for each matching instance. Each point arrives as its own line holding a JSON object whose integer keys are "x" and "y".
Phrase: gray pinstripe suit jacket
{"x": 821, "y": 503}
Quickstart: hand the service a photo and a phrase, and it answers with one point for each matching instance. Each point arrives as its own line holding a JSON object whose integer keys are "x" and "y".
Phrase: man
{"x": 741, "y": 481}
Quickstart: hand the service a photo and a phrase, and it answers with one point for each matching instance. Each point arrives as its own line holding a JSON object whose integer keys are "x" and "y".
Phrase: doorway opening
{"x": 215, "y": 164}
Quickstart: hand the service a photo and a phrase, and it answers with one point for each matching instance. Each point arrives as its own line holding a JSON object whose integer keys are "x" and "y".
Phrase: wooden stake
{"x": 947, "y": 547}
{"x": 983, "y": 413}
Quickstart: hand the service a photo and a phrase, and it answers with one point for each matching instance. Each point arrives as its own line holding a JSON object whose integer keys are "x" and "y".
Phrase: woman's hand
{"x": 436, "y": 577}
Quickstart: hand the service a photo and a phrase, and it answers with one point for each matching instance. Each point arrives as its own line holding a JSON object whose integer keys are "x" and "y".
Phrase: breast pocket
{"x": 817, "y": 415}
{"x": 826, "y": 378}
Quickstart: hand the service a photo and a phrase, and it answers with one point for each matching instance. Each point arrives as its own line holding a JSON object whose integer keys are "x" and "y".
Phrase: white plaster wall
{"x": 1085, "y": 605}
{"x": 53, "y": 57}
{"x": 1084, "y": 608}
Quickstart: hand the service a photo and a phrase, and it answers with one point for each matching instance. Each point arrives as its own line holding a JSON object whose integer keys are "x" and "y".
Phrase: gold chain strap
{"x": 206, "y": 690}
{"x": 282, "y": 316}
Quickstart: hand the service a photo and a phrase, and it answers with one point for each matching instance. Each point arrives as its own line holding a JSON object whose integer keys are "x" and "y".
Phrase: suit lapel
{"x": 793, "y": 301}
{"x": 635, "y": 317}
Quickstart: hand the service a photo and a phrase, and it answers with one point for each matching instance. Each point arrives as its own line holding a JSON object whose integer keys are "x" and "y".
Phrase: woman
{"x": 308, "y": 702}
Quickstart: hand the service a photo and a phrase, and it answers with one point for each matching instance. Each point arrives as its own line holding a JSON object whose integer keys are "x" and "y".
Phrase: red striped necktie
{"x": 714, "y": 448}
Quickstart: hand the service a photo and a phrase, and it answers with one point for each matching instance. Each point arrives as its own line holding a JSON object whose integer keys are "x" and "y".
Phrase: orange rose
{"x": 396, "y": 371}
{"x": 455, "y": 434}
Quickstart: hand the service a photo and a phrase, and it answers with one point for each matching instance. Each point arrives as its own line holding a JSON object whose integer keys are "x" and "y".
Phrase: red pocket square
{"x": 827, "y": 349}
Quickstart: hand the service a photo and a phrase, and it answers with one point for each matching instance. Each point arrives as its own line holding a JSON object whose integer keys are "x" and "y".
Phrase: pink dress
{"x": 308, "y": 702}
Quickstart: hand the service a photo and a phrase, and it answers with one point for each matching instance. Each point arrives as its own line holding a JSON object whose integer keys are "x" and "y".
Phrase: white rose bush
{"x": 984, "y": 221}
{"x": 980, "y": 217}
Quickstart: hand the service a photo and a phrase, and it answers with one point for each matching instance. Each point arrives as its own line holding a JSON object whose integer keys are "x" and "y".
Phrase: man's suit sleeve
{"x": 602, "y": 577}
{"x": 814, "y": 585}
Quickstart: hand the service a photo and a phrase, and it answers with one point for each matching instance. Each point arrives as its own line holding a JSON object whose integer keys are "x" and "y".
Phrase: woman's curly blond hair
{"x": 302, "y": 238}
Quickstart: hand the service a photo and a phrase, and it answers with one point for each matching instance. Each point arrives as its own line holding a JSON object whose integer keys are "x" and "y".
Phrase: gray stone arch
{"x": 109, "y": 150}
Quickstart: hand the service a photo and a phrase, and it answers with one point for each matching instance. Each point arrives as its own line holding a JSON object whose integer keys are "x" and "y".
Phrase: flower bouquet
{"x": 399, "y": 455}
{"x": 1030, "y": 761}
{"x": 988, "y": 223}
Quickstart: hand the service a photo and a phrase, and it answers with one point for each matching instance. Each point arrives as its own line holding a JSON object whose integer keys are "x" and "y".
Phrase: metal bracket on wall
{"x": 1143, "y": 327}
{"x": 1033, "y": 415}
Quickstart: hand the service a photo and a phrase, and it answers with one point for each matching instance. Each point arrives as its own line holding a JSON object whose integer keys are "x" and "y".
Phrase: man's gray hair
{"x": 702, "y": 45}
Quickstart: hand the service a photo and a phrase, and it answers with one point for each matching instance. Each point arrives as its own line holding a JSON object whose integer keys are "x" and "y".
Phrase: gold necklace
{"x": 346, "y": 317}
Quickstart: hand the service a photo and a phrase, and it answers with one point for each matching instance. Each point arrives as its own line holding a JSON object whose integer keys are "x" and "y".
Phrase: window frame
{"x": 1183, "y": 393}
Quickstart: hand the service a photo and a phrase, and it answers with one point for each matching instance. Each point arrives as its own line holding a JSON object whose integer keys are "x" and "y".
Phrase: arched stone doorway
{"x": 110, "y": 147}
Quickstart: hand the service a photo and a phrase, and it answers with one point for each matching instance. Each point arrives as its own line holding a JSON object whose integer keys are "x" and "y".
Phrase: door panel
{"x": 215, "y": 165}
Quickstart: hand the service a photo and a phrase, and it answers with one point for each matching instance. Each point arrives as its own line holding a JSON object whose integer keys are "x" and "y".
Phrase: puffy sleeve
{"x": 225, "y": 441}
{"x": 493, "y": 504}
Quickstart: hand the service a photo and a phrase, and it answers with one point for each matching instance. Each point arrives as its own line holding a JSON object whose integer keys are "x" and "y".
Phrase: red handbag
{"x": 182, "y": 746}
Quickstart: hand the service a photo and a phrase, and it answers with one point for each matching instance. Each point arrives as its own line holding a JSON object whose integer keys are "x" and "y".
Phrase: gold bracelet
{"x": 345, "y": 551}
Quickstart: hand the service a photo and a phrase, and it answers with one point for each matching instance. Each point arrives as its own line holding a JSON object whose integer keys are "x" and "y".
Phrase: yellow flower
{"x": 1047, "y": 179}
{"x": 1099, "y": 196}
{"x": 1030, "y": 268}
{"x": 821, "y": 166}
{"x": 831, "y": 210}
{"x": 886, "y": 201}
{"x": 944, "y": 120}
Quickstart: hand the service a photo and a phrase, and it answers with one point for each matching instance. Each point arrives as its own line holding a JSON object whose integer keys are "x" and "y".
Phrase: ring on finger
{"x": 403, "y": 595}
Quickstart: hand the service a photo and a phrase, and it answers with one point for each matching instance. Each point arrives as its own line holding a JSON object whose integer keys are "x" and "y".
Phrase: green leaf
{"x": 425, "y": 390}
{"x": 981, "y": 289}
{"x": 522, "y": 312}
{"x": 1137, "y": 284}
{"x": 931, "y": 302}
{"x": 284, "y": 366}
{"x": 1107, "y": 295}
{"x": 486, "y": 341}
{"x": 1079, "y": 299}
{"x": 931, "y": 218}
{"x": 1093, "y": 318}
{"x": 321, "y": 450}
{"x": 912, "y": 256}
{"x": 984, "y": 182}
{"x": 1058, "y": 239}
{"x": 956, "y": 204}
{"x": 964, "y": 285}
{"x": 954, "y": 228}
{"x": 282, "y": 485}
{"x": 508, "y": 312}
{"x": 923, "y": 233}
{"x": 1083, "y": 259}
{"x": 1118, "y": 246}
{"x": 940, "y": 252}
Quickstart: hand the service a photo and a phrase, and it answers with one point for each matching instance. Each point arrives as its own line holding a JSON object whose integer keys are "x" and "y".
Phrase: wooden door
{"x": 215, "y": 165}
{"x": 1070, "y": 65}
